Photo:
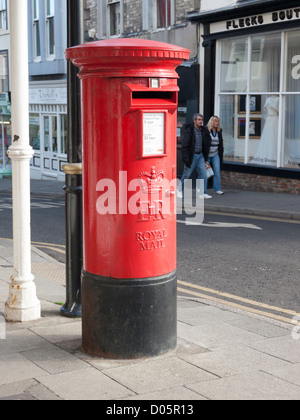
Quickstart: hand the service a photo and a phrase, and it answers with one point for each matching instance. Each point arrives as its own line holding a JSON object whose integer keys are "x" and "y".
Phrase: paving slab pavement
{"x": 221, "y": 354}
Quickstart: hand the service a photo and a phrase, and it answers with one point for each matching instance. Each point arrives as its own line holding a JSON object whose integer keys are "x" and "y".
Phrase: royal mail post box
{"x": 129, "y": 119}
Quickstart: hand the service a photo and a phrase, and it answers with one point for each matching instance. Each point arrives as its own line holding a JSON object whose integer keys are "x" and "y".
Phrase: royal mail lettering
{"x": 151, "y": 239}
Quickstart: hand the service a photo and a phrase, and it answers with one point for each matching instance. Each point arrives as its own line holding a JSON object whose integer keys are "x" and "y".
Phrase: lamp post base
{"x": 22, "y": 304}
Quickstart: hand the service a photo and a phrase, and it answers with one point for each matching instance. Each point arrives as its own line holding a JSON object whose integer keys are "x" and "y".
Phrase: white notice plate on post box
{"x": 153, "y": 134}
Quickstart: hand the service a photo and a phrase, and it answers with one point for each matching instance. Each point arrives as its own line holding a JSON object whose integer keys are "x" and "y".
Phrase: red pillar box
{"x": 129, "y": 112}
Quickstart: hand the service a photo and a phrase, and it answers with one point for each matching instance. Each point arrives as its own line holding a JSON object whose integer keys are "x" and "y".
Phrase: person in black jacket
{"x": 196, "y": 143}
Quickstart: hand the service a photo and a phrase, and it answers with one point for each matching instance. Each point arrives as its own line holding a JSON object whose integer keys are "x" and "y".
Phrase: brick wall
{"x": 183, "y": 7}
{"x": 90, "y": 16}
{"x": 132, "y": 16}
{"x": 251, "y": 182}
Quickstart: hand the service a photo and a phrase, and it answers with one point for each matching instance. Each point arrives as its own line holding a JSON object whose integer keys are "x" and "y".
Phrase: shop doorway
{"x": 49, "y": 148}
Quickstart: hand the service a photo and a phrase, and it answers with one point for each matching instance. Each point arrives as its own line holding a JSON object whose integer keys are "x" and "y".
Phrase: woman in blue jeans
{"x": 216, "y": 152}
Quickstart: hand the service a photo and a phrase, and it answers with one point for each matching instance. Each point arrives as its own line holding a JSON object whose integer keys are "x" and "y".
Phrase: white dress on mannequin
{"x": 266, "y": 153}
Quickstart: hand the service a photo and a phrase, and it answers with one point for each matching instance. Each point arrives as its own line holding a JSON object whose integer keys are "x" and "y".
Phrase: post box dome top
{"x": 130, "y": 56}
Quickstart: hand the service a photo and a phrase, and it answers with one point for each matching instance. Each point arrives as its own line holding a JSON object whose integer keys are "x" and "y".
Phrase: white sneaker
{"x": 219, "y": 192}
{"x": 179, "y": 194}
{"x": 205, "y": 196}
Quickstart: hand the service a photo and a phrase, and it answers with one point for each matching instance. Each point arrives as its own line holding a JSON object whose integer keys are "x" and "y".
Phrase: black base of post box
{"x": 129, "y": 318}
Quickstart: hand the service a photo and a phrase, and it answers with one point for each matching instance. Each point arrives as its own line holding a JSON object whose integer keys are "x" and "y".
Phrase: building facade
{"x": 244, "y": 66}
{"x": 251, "y": 79}
{"x": 158, "y": 20}
{"x": 5, "y": 110}
{"x": 47, "y": 87}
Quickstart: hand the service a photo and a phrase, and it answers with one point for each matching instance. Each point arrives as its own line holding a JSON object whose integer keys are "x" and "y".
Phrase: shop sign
{"x": 257, "y": 20}
{"x": 48, "y": 96}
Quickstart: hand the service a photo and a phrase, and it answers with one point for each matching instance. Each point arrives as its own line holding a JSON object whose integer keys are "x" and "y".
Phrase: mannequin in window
{"x": 266, "y": 153}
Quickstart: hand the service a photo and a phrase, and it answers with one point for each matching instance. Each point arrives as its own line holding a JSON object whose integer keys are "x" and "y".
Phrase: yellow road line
{"x": 47, "y": 244}
{"x": 237, "y": 298}
{"x": 60, "y": 251}
{"x": 53, "y": 247}
{"x": 239, "y": 304}
{"x": 234, "y": 305}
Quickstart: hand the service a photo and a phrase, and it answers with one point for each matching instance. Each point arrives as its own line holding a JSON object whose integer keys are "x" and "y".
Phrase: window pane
{"x": 34, "y": 131}
{"x": 263, "y": 135}
{"x": 293, "y": 62}
{"x": 36, "y": 13}
{"x": 265, "y": 63}
{"x": 291, "y": 145}
{"x": 233, "y": 149}
{"x": 163, "y": 13}
{"x": 54, "y": 134}
{"x": 64, "y": 133}
{"x": 234, "y": 65}
{"x": 5, "y": 141}
{"x": 51, "y": 36}
{"x": 46, "y": 134}
{"x": 3, "y": 14}
{"x": 115, "y": 19}
{"x": 50, "y": 7}
{"x": 3, "y": 20}
{"x": 3, "y": 72}
{"x": 37, "y": 39}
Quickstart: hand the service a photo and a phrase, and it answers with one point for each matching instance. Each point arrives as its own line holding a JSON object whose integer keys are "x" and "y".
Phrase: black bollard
{"x": 73, "y": 189}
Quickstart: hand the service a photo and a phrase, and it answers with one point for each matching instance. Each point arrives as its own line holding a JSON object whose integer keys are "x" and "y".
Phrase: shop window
{"x": 63, "y": 133}
{"x": 5, "y": 133}
{"x": 293, "y": 63}
{"x": 291, "y": 146}
{"x": 234, "y": 65}
{"x": 4, "y": 82}
{"x": 263, "y": 145}
{"x": 54, "y": 144}
{"x": 259, "y": 99}
{"x": 34, "y": 131}
{"x": 265, "y": 63}
{"x": 5, "y": 142}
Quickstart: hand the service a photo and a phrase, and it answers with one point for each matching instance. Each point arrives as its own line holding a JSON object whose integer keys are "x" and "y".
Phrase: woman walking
{"x": 215, "y": 157}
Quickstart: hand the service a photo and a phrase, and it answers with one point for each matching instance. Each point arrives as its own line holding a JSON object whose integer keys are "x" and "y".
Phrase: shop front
{"x": 48, "y": 132}
{"x": 5, "y": 135}
{"x": 252, "y": 81}
{"x": 188, "y": 103}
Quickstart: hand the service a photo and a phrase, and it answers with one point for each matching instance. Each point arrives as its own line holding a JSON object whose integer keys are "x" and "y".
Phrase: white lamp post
{"x": 22, "y": 304}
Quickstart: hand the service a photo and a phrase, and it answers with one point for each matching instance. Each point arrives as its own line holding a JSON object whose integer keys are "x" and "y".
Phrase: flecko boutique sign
{"x": 263, "y": 19}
